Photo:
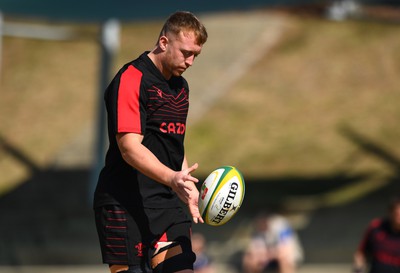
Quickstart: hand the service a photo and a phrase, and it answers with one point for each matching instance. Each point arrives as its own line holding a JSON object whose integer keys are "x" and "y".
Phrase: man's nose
{"x": 189, "y": 60}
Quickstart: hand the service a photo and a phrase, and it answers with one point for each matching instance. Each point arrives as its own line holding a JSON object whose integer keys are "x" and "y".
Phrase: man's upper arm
{"x": 124, "y": 140}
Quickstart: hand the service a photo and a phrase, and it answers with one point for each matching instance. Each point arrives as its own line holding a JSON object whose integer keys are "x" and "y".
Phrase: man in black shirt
{"x": 379, "y": 249}
{"x": 140, "y": 222}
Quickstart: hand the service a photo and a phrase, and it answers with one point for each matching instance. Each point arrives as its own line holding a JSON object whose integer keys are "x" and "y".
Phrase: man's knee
{"x": 172, "y": 257}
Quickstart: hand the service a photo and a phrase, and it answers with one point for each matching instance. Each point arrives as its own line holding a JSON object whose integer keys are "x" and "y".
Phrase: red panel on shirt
{"x": 128, "y": 101}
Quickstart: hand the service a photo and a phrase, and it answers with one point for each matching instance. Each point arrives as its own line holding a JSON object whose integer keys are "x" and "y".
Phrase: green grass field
{"x": 286, "y": 116}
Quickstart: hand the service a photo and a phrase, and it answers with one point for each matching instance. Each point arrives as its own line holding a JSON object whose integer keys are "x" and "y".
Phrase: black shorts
{"x": 130, "y": 236}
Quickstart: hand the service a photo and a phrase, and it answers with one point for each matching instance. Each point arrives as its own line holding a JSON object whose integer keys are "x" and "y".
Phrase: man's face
{"x": 181, "y": 50}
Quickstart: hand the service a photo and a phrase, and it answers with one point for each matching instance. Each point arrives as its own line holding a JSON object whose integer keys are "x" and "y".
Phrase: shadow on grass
{"x": 48, "y": 219}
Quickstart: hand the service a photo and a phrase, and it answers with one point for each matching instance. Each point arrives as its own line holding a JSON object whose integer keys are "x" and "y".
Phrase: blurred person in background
{"x": 379, "y": 250}
{"x": 203, "y": 262}
{"x": 255, "y": 257}
{"x": 274, "y": 246}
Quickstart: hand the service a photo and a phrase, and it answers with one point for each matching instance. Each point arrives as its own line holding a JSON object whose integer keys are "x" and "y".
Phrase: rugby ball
{"x": 221, "y": 195}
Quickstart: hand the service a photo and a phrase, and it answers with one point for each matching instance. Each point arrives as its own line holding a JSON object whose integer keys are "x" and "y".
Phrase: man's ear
{"x": 163, "y": 43}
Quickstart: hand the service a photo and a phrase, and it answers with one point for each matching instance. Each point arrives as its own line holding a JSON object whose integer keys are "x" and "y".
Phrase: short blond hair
{"x": 185, "y": 21}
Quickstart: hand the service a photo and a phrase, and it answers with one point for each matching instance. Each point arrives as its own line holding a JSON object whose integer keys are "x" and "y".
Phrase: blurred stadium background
{"x": 330, "y": 171}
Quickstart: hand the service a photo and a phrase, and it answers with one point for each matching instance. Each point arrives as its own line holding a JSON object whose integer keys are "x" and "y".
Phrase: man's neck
{"x": 155, "y": 58}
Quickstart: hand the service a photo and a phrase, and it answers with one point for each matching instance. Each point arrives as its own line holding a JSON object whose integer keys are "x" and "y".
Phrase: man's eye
{"x": 187, "y": 54}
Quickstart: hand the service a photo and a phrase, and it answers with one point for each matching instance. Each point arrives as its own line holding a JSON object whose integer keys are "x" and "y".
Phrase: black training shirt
{"x": 140, "y": 100}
